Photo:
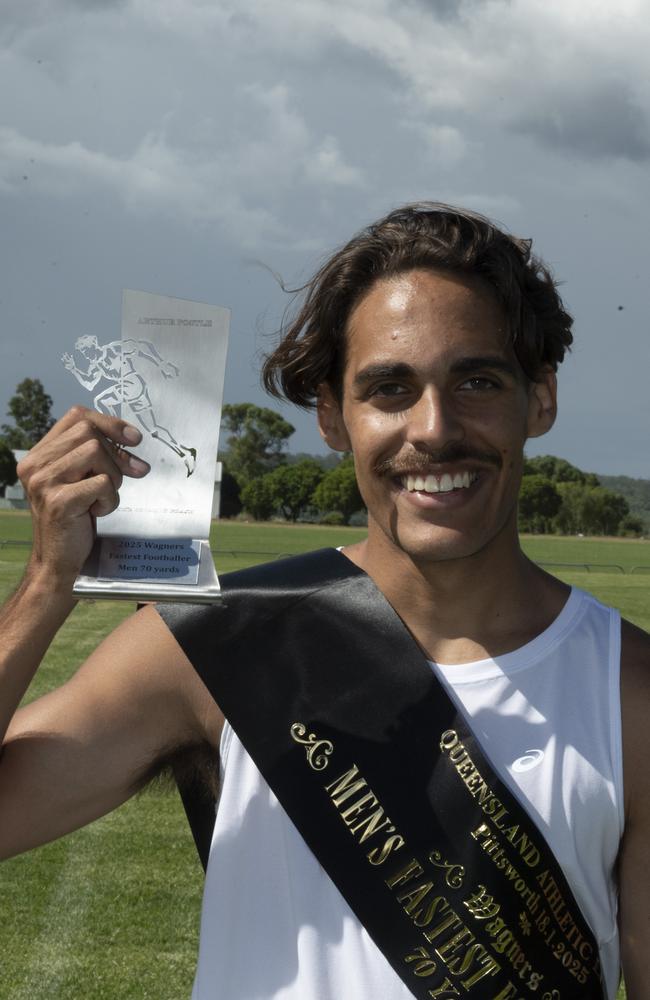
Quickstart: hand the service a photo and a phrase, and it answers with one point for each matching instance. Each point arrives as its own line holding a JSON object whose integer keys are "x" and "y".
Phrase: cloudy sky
{"x": 177, "y": 146}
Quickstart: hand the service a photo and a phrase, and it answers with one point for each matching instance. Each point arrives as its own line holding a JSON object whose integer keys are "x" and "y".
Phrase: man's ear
{"x": 542, "y": 403}
{"x": 330, "y": 420}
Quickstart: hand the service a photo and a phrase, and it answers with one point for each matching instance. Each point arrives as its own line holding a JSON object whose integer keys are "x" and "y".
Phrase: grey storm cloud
{"x": 91, "y": 5}
{"x": 162, "y": 144}
{"x": 605, "y": 123}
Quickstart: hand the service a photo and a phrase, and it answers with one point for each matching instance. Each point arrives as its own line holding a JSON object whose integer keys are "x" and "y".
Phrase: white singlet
{"x": 548, "y": 717}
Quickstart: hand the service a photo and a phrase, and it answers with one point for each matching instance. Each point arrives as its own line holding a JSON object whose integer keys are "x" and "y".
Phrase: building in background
{"x": 14, "y": 498}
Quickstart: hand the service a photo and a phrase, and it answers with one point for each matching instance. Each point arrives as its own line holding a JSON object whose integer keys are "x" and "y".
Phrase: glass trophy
{"x": 165, "y": 376}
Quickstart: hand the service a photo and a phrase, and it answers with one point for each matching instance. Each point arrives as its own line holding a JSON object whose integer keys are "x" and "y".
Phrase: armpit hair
{"x": 192, "y": 767}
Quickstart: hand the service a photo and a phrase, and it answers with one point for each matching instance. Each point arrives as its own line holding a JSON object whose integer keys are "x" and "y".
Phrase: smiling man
{"x": 432, "y": 753}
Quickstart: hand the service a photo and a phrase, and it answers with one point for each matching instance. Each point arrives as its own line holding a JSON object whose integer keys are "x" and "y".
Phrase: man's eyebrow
{"x": 494, "y": 361}
{"x": 461, "y": 366}
{"x": 372, "y": 372}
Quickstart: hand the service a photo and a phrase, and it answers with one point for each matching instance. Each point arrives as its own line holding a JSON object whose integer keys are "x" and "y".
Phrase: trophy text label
{"x": 152, "y": 559}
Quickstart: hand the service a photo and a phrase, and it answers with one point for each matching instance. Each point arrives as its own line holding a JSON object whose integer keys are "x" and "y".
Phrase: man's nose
{"x": 433, "y": 420}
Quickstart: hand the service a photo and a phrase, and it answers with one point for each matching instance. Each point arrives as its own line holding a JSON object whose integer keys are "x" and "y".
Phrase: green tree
{"x": 338, "y": 490}
{"x": 539, "y": 502}
{"x": 256, "y": 442}
{"x": 31, "y": 409}
{"x": 558, "y": 470}
{"x": 568, "y": 520}
{"x": 631, "y": 526}
{"x": 293, "y": 486}
{"x": 635, "y": 491}
{"x": 230, "y": 503}
{"x": 7, "y": 466}
{"x": 589, "y": 510}
{"x": 258, "y": 498}
{"x": 604, "y": 511}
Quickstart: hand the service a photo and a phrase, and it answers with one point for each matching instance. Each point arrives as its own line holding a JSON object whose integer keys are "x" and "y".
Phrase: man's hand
{"x": 71, "y": 477}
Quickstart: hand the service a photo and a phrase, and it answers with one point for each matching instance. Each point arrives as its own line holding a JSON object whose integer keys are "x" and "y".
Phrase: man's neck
{"x": 466, "y": 609}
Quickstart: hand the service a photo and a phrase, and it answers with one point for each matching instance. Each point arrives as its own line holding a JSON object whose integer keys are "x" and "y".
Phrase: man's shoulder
{"x": 255, "y": 594}
{"x": 635, "y": 698}
{"x": 635, "y": 641}
{"x": 635, "y": 676}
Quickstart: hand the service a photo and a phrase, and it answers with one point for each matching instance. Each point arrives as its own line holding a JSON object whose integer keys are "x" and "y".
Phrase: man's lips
{"x": 451, "y": 469}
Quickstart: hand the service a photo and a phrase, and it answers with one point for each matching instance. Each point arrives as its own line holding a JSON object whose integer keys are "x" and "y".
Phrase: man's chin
{"x": 431, "y": 555}
{"x": 437, "y": 545}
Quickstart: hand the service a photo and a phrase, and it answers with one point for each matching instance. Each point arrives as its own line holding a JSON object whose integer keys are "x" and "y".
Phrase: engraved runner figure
{"x": 116, "y": 362}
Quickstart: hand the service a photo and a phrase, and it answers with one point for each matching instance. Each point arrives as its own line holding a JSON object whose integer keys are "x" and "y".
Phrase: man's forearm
{"x": 28, "y": 622}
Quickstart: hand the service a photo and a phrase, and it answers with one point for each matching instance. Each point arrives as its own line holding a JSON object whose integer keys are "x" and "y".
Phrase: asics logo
{"x": 530, "y": 759}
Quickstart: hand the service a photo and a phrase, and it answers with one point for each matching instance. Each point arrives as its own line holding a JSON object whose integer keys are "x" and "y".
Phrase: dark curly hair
{"x": 429, "y": 235}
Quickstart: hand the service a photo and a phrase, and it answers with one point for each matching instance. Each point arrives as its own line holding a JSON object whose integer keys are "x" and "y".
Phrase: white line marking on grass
{"x": 62, "y": 938}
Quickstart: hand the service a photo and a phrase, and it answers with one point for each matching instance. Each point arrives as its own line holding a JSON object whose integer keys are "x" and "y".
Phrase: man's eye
{"x": 389, "y": 389}
{"x": 478, "y": 383}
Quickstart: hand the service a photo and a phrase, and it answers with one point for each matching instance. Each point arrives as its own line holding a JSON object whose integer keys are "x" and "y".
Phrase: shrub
{"x": 334, "y": 517}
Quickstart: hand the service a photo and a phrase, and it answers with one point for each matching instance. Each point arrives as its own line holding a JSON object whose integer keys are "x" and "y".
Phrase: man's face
{"x": 436, "y": 410}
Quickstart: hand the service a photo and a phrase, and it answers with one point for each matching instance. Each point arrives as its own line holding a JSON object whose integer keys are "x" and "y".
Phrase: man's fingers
{"x": 90, "y": 458}
{"x": 129, "y": 465}
{"x": 95, "y": 495}
{"x": 77, "y": 451}
{"x": 126, "y": 463}
{"x": 108, "y": 498}
{"x": 117, "y": 430}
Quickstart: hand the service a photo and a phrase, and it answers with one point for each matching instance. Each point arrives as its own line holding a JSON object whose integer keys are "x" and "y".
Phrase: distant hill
{"x": 329, "y": 461}
{"x": 635, "y": 491}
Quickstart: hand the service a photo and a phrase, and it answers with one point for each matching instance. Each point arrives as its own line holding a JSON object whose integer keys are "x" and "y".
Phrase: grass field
{"x": 112, "y": 911}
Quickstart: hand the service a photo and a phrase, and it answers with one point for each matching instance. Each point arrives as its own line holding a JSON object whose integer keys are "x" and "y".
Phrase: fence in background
{"x": 585, "y": 567}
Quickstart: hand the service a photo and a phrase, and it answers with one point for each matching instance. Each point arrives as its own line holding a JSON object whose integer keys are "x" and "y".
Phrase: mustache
{"x": 423, "y": 462}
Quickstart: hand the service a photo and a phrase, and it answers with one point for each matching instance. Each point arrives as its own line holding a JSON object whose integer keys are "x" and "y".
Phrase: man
{"x": 429, "y": 345}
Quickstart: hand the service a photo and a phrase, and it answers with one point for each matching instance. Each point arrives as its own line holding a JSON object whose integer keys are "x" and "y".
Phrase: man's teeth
{"x": 439, "y": 484}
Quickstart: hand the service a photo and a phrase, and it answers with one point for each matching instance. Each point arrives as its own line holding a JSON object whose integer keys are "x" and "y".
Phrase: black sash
{"x": 338, "y": 708}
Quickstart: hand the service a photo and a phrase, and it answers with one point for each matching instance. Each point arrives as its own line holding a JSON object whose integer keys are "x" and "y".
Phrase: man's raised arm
{"x": 71, "y": 476}
{"x": 81, "y": 750}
